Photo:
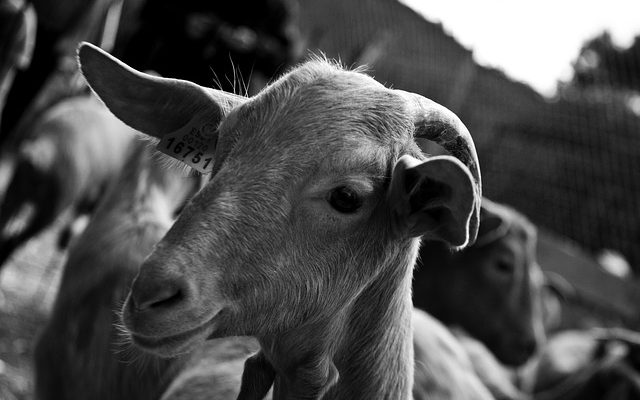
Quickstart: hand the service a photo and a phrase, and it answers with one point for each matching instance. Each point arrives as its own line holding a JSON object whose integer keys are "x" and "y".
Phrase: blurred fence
{"x": 574, "y": 168}
{"x": 572, "y": 163}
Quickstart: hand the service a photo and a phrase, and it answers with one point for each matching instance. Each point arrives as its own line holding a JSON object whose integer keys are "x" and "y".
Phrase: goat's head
{"x": 317, "y": 188}
{"x": 492, "y": 289}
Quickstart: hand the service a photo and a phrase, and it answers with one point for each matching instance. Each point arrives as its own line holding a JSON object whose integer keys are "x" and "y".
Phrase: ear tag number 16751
{"x": 193, "y": 147}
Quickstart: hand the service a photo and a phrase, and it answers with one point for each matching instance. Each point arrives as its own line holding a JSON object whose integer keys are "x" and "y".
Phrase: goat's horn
{"x": 438, "y": 124}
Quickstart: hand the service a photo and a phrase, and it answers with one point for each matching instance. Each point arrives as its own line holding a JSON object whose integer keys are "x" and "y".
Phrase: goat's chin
{"x": 174, "y": 345}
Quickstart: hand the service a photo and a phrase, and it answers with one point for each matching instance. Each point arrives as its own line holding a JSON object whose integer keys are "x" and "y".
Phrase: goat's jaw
{"x": 181, "y": 341}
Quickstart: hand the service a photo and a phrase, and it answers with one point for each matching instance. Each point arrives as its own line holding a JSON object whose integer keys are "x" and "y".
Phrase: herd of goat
{"x": 323, "y": 256}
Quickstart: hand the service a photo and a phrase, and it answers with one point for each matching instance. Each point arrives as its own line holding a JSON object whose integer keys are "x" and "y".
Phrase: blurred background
{"x": 549, "y": 90}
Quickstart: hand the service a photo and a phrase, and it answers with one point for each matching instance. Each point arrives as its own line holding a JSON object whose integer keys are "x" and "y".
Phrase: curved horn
{"x": 440, "y": 125}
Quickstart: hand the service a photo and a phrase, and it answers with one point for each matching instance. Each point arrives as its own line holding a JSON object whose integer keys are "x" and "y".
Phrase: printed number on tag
{"x": 191, "y": 147}
{"x": 183, "y": 152}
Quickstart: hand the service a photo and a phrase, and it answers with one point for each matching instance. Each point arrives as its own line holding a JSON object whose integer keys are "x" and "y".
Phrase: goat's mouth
{"x": 178, "y": 344}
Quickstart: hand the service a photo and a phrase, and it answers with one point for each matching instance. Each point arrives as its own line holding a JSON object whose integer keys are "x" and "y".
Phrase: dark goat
{"x": 82, "y": 354}
{"x": 492, "y": 289}
{"x": 77, "y": 355}
{"x": 73, "y": 152}
{"x": 595, "y": 364}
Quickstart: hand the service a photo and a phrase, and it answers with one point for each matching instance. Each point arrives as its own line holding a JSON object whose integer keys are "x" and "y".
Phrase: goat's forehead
{"x": 324, "y": 105}
{"x": 321, "y": 118}
{"x": 305, "y": 159}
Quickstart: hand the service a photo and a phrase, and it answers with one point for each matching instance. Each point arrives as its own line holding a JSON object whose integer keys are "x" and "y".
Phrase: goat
{"x": 306, "y": 235}
{"x": 443, "y": 369}
{"x": 446, "y": 367}
{"x": 17, "y": 38}
{"x": 73, "y": 152}
{"x": 215, "y": 372}
{"x": 590, "y": 364}
{"x": 81, "y": 353}
{"x": 51, "y": 72}
{"x": 493, "y": 289}
{"x": 75, "y": 356}
{"x": 501, "y": 381}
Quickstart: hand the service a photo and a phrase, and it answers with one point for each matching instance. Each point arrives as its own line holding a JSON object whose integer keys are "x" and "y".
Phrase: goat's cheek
{"x": 317, "y": 217}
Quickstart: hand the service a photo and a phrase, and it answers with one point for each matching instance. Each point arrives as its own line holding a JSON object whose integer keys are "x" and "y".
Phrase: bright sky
{"x": 532, "y": 41}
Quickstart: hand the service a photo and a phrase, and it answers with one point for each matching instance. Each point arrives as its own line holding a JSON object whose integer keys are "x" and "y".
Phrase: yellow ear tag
{"x": 194, "y": 145}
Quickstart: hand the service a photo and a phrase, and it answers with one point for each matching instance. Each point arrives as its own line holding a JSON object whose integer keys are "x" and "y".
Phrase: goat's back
{"x": 79, "y": 143}
{"x": 443, "y": 369}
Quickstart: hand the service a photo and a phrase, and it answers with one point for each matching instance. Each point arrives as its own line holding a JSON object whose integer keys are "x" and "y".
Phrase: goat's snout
{"x": 156, "y": 298}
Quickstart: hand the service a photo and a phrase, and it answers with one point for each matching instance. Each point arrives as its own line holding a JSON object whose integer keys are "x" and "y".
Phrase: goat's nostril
{"x": 160, "y": 298}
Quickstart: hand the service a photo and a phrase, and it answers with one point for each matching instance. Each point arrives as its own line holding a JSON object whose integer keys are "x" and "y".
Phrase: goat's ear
{"x": 559, "y": 286}
{"x": 493, "y": 223}
{"x": 433, "y": 198}
{"x": 153, "y": 105}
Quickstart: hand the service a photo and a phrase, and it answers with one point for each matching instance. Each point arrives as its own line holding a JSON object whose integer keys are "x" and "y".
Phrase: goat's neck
{"x": 364, "y": 352}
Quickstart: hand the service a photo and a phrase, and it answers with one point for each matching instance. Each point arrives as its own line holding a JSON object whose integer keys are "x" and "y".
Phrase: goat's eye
{"x": 345, "y": 200}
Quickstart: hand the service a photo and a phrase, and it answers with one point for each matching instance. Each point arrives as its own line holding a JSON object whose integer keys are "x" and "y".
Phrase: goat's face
{"x": 494, "y": 288}
{"x": 317, "y": 187}
{"x": 510, "y": 282}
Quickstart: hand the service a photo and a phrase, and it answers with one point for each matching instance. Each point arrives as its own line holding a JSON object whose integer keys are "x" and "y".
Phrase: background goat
{"x": 590, "y": 364}
{"x": 81, "y": 354}
{"x": 492, "y": 289}
{"x": 72, "y": 154}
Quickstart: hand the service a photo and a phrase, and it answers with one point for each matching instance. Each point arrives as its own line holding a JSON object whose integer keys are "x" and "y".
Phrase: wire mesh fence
{"x": 571, "y": 163}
